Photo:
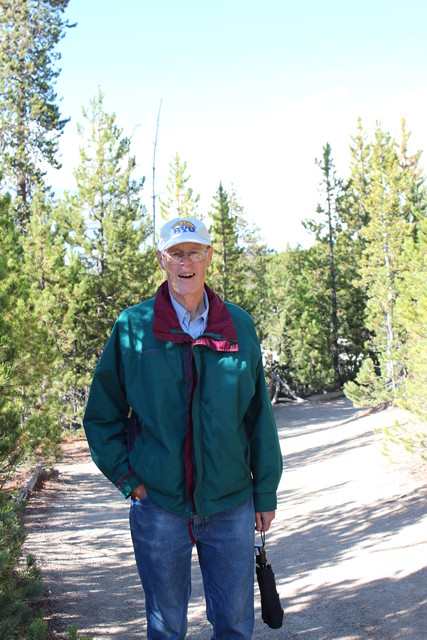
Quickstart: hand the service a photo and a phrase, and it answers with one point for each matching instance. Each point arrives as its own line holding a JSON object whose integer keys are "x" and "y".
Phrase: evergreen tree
{"x": 382, "y": 273}
{"x": 413, "y": 182}
{"x": 39, "y": 325}
{"x": 181, "y": 202}
{"x": 226, "y": 276}
{"x": 33, "y": 318}
{"x": 326, "y": 227}
{"x": 412, "y": 308}
{"x": 354, "y": 215}
{"x": 295, "y": 319}
{"x": 106, "y": 229}
{"x": 11, "y": 448}
{"x": 412, "y": 301}
{"x": 30, "y": 121}
{"x": 17, "y": 587}
{"x": 350, "y": 244}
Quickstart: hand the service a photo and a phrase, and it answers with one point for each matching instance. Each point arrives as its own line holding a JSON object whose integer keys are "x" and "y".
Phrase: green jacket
{"x": 201, "y": 435}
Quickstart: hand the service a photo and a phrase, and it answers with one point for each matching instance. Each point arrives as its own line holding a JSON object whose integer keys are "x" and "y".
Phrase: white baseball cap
{"x": 183, "y": 230}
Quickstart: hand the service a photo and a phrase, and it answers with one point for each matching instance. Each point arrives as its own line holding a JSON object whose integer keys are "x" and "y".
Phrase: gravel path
{"x": 348, "y": 545}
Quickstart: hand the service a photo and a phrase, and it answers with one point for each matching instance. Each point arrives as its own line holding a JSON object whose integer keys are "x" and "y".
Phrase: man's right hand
{"x": 139, "y": 492}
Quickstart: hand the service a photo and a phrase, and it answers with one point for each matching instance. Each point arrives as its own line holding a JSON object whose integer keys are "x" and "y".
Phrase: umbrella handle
{"x": 262, "y": 534}
{"x": 260, "y": 551}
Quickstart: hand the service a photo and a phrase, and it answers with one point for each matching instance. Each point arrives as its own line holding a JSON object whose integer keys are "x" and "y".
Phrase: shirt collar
{"x": 183, "y": 316}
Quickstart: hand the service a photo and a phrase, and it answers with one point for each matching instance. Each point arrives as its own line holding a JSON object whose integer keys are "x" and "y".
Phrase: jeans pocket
{"x": 145, "y": 500}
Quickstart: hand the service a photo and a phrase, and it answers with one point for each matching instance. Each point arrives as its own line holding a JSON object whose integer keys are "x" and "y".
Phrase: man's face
{"x": 186, "y": 278}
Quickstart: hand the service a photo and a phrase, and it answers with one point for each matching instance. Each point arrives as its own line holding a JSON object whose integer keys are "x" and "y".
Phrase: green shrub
{"x": 18, "y": 587}
{"x": 72, "y": 634}
{"x": 38, "y": 630}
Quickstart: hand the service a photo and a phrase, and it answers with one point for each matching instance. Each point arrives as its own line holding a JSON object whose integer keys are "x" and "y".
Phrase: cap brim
{"x": 171, "y": 242}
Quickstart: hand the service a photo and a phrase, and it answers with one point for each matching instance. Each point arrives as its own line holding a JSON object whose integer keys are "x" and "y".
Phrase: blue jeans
{"x": 225, "y": 546}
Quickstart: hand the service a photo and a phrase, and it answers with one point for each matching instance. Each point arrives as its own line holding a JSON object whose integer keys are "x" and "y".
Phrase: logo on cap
{"x": 183, "y": 226}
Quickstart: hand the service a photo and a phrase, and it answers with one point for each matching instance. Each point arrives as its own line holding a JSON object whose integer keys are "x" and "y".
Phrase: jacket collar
{"x": 220, "y": 334}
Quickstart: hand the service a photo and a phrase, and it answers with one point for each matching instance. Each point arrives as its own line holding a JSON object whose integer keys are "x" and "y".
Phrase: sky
{"x": 250, "y": 92}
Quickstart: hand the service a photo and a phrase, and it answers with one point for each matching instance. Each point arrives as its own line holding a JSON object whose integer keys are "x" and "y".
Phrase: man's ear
{"x": 209, "y": 257}
{"x": 160, "y": 259}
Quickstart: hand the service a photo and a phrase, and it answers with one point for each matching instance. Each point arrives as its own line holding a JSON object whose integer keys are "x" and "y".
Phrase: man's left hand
{"x": 263, "y": 520}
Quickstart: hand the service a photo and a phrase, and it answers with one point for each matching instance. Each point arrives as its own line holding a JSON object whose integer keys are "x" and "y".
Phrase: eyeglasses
{"x": 175, "y": 257}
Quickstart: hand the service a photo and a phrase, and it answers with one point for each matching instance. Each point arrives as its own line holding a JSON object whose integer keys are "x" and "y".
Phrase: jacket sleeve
{"x": 266, "y": 457}
{"x": 106, "y": 417}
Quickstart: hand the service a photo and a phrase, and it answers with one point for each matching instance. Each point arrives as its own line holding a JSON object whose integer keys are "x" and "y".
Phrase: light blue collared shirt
{"x": 195, "y": 327}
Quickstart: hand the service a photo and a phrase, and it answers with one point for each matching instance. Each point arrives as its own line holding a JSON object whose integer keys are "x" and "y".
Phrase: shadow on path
{"x": 347, "y": 546}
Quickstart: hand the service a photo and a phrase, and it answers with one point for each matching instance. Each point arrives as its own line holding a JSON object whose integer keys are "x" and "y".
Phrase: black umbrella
{"x": 271, "y": 609}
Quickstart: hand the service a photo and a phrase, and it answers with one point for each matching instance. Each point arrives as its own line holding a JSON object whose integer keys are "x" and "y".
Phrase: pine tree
{"x": 11, "y": 446}
{"x": 411, "y": 305}
{"x": 30, "y": 121}
{"x": 354, "y": 215}
{"x": 17, "y": 587}
{"x": 181, "y": 202}
{"x": 383, "y": 271}
{"x": 382, "y": 267}
{"x": 226, "y": 276}
{"x": 350, "y": 244}
{"x": 412, "y": 308}
{"x": 326, "y": 227}
{"x": 106, "y": 229}
{"x": 33, "y": 316}
{"x": 40, "y": 324}
{"x": 413, "y": 182}
{"x": 295, "y": 319}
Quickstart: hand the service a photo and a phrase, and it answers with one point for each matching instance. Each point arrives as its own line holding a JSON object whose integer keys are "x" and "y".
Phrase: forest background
{"x": 347, "y": 312}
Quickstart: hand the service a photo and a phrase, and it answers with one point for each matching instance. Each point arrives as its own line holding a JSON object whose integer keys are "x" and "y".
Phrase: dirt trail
{"x": 348, "y": 546}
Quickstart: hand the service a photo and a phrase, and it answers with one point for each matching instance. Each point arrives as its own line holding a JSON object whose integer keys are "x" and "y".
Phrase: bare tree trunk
{"x": 154, "y": 173}
{"x": 389, "y": 326}
{"x": 276, "y": 382}
{"x": 334, "y": 317}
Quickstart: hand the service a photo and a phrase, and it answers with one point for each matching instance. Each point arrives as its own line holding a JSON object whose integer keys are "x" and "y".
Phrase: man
{"x": 199, "y": 448}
